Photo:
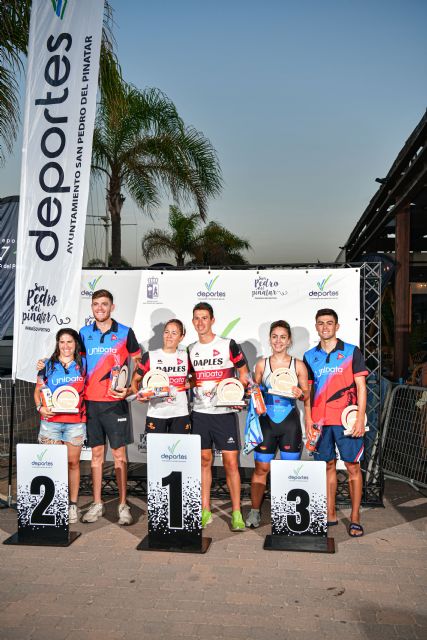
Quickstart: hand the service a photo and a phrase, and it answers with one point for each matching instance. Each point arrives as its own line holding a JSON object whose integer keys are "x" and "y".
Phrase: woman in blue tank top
{"x": 281, "y": 426}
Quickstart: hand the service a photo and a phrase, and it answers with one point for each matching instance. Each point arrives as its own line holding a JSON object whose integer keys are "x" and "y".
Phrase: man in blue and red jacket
{"x": 337, "y": 373}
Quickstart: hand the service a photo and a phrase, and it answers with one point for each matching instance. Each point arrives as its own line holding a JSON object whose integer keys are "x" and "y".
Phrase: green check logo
{"x": 59, "y": 7}
{"x": 92, "y": 283}
{"x": 173, "y": 447}
{"x": 41, "y": 455}
{"x": 210, "y": 283}
{"x": 323, "y": 282}
{"x": 298, "y": 469}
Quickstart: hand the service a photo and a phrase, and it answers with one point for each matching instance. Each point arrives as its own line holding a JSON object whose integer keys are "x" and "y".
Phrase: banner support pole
{"x": 11, "y": 433}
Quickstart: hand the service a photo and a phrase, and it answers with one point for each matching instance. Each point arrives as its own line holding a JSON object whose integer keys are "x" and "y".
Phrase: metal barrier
{"x": 26, "y": 419}
{"x": 404, "y": 439}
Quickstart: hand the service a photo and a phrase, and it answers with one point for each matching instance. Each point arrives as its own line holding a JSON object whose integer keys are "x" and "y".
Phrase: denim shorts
{"x": 72, "y": 432}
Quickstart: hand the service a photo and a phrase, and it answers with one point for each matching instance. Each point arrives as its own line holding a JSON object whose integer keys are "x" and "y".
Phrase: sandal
{"x": 354, "y": 526}
{"x": 331, "y": 523}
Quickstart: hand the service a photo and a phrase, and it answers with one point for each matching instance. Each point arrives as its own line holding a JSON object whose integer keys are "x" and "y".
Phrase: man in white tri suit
{"x": 213, "y": 359}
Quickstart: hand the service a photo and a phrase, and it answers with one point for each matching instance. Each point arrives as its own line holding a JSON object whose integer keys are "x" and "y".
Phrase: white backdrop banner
{"x": 60, "y": 104}
{"x": 245, "y": 302}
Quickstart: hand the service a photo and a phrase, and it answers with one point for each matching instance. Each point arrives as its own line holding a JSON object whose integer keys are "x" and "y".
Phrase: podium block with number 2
{"x": 42, "y": 496}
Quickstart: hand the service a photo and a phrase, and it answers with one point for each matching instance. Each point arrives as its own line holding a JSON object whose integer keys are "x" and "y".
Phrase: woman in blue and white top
{"x": 281, "y": 425}
{"x": 64, "y": 369}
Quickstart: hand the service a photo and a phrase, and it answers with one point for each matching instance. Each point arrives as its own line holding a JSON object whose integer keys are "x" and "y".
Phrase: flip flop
{"x": 354, "y": 526}
{"x": 331, "y": 523}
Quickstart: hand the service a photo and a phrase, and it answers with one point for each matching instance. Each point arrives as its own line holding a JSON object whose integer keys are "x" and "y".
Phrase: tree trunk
{"x": 115, "y": 203}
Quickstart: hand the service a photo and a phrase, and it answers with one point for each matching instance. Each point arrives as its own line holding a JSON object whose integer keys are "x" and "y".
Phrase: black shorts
{"x": 108, "y": 419}
{"x": 219, "y": 429}
{"x": 179, "y": 424}
{"x": 285, "y": 436}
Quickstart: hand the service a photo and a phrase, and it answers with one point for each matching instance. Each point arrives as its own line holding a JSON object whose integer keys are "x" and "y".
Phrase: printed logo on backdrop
{"x": 264, "y": 288}
{"x": 92, "y": 286}
{"x": 211, "y": 290}
{"x": 152, "y": 291}
{"x": 39, "y": 311}
{"x": 323, "y": 290}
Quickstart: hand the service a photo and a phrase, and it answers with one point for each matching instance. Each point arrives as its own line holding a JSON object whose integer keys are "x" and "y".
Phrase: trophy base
{"x": 59, "y": 410}
{"x": 283, "y": 394}
{"x": 348, "y": 432}
{"x": 232, "y": 403}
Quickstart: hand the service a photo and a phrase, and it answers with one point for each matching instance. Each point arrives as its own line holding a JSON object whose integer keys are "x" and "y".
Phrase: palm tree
{"x": 14, "y": 31}
{"x": 141, "y": 145}
{"x": 213, "y": 245}
{"x": 15, "y": 21}
{"x": 180, "y": 241}
{"x": 216, "y": 245}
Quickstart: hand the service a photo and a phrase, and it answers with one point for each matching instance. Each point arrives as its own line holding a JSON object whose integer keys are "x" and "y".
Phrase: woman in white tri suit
{"x": 280, "y": 425}
{"x": 167, "y": 415}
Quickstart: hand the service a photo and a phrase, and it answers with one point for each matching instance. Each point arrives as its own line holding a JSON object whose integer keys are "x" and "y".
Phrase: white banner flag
{"x": 60, "y": 104}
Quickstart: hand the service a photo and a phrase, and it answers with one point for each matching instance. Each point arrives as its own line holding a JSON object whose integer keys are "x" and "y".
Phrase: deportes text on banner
{"x": 60, "y": 104}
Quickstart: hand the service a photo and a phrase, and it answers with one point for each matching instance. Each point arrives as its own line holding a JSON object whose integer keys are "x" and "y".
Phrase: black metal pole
{"x": 12, "y": 416}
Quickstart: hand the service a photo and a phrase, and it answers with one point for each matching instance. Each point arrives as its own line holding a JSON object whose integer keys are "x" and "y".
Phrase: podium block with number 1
{"x": 174, "y": 503}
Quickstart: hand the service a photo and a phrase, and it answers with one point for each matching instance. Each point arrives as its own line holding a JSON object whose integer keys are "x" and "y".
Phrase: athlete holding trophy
{"x": 163, "y": 373}
{"x": 284, "y": 380}
{"x": 337, "y": 373}
{"x": 215, "y": 360}
{"x": 59, "y": 400}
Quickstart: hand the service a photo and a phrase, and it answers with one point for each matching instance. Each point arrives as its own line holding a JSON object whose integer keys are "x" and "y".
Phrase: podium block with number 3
{"x": 298, "y": 507}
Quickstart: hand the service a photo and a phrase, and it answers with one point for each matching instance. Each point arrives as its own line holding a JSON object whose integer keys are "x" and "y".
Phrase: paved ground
{"x": 101, "y": 587}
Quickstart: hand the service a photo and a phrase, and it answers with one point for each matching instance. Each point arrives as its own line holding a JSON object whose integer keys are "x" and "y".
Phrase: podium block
{"x": 174, "y": 504}
{"x": 42, "y": 496}
{"x": 298, "y": 507}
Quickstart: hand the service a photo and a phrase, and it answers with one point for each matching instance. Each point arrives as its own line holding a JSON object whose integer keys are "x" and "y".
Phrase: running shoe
{"x": 237, "y": 522}
{"x": 254, "y": 518}
{"x": 95, "y": 511}
{"x": 125, "y": 516}
{"x": 206, "y": 517}
{"x": 73, "y": 513}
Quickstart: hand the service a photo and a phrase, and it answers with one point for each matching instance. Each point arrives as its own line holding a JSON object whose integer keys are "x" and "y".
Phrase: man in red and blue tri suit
{"x": 107, "y": 344}
{"x": 337, "y": 373}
